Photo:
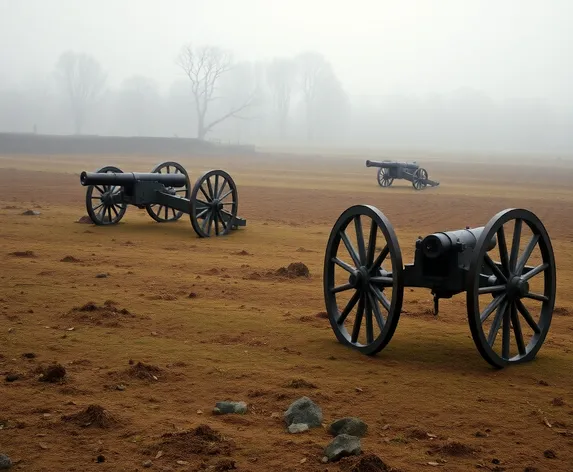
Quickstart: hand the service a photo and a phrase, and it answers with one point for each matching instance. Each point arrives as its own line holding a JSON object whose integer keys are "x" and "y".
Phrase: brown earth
{"x": 149, "y": 327}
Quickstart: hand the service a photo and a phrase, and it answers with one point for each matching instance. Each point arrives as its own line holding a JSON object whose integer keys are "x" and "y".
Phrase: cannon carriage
{"x": 166, "y": 194}
{"x": 509, "y": 297}
{"x": 388, "y": 171}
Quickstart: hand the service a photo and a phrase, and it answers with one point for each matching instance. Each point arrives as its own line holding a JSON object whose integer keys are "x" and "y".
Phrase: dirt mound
{"x": 85, "y": 220}
{"x": 108, "y": 315}
{"x": 53, "y": 373}
{"x": 323, "y": 315}
{"x": 294, "y": 269}
{"x": 145, "y": 372}
{"x": 202, "y": 440}
{"x": 453, "y": 448}
{"x": 241, "y": 253}
{"x": 69, "y": 259}
{"x": 561, "y": 311}
{"x": 300, "y": 383}
{"x": 94, "y": 416}
{"x": 367, "y": 463}
{"x": 23, "y": 254}
{"x": 301, "y": 249}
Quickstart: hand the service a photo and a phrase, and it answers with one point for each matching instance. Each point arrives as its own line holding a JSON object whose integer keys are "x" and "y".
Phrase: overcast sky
{"x": 507, "y": 48}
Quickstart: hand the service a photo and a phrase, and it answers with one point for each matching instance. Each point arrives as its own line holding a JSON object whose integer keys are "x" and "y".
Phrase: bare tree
{"x": 281, "y": 76}
{"x": 83, "y": 80}
{"x": 204, "y": 66}
{"x": 312, "y": 68}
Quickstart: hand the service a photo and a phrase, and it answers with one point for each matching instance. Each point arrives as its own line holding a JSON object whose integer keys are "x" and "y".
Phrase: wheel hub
{"x": 216, "y": 205}
{"x": 517, "y": 287}
{"x": 359, "y": 278}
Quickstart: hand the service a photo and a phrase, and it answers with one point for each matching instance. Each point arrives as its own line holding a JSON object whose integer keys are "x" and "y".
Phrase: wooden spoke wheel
{"x": 510, "y": 302}
{"x": 162, "y": 213}
{"x": 384, "y": 179}
{"x": 363, "y": 279}
{"x": 101, "y": 201}
{"x": 419, "y": 179}
{"x": 214, "y": 204}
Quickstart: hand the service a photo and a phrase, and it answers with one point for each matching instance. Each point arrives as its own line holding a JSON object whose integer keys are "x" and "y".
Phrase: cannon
{"x": 166, "y": 194}
{"x": 410, "y": 171}
{"x": 506, "y": 268}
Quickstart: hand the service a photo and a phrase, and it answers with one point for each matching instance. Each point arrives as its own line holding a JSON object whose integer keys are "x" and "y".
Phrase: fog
{"x": 471, "y": 75}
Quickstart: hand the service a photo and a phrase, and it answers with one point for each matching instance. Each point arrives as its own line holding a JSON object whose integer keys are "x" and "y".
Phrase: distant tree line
{"x": 285, "y": 100}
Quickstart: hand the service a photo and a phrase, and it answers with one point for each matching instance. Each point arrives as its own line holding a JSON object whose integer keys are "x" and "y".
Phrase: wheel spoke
{"x": 216, "y": 190}
{"x": 344, "y": 265}
{"x": 377, "y": 313}
{"x": 222, "y": 220}
{"x": 369, "y": 326}
{"x": 537, "y": 296}
{"x": 372, "y": 244}
{"x": 222, "y": 188}
{"x": 99, "y": 206}
{"x": 210, "y": 188}
{"x": 206, "y": 221}
{"x": 211, "y": 218}
{"x": 350, "y": 249}
{"x": 348, "y": 308}
{"x": 517, "y": 330}
{"x": 201, "y": 214}
{"x": 505, "y": 334}
{"x": 360, "y": 239}
{"x": 495, "y": 269}
{"x": 216, "y": 216}
{"x": 533, "y": 272}
{"x": 114, "y": 210}
{"x": 515, "y": 244}
{"x": 109, "y": 213}
{"x": 496, "y": 323}
{"x": 226, "y": 195}
{"x": 527, "y": 316}
{"x": 341, "y": 288}
{"x": 381, "y": 297}
{"x": 503, "y": 255}
{"x": 205, "y": 193}
{"x": 492, "y": 289}
{"x": 99, "y": 189}
{"x": 387, "y": 281}
{"x": 166, "y": 211}
{"x": 358, "y": 320}
{"x": 380, "y": 259}
{"x": 526, "y": 254}
{"x": 488, "y": 310}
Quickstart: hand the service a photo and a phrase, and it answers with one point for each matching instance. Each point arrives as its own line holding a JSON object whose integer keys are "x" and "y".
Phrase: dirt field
{"x": 207, "y": 324}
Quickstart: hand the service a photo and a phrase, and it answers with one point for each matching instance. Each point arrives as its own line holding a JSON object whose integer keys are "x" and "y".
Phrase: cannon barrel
{"x": 392, "y": 164}
{"x": 437, "y": 244}
{"x": 122, "y": 179}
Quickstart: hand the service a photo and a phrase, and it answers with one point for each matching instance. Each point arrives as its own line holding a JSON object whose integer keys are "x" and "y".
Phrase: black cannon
{"x": 364, "y": 280}
{"x": 410, "y": 171}
{"x": 166, "y": 194}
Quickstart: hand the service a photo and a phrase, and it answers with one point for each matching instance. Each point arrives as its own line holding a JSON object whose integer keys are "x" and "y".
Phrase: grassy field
{"x": 213, "y": 325}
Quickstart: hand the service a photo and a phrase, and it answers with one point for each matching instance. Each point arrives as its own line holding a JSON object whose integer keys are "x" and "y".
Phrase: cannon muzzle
{"x": 126, "y": 179}
{"x": 392, "y": 164}
{"x": 438, "y": 244}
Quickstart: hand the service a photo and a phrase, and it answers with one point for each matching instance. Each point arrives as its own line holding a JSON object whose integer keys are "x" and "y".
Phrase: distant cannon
{"x": 364, "y": 276}
{"x": 410, "y": 171}
{"x": 166, "y": 194}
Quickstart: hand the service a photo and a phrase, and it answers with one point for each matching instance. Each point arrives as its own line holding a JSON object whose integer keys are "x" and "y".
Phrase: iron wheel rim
{"x": 384, "y": 179}
{"x": 420, "y": 175}
{"x": 99, "y": 212}
{"x": 368, "y": 296}
{"x": 510, "y": 315}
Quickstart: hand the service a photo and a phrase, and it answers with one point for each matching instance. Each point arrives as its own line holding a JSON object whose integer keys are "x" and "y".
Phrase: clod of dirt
{"x": 12, "y": 377}
{"x": 192, "y": 295}
{"x": 453, "y": 448}
{"x": 5, "y": 462}
{"x": 93, "y": 415}
{"x": 101, "y": 276}
{"x": 561, "y": 311}
{"x": 29, "y": 355}
{"x": 108, "y": 315}
{"x": 322, "y": 315}
{"x": 300, "y": 383}
{"x": 85, "y": 220}
{"x": 31, "y": 213}
{"x": 23, "y": 254}
{"x": 224, "y": 464}
{"x": 241, "y": 253}
{"x": 69, "y": 259}
{"x": 301, "y": 249}
{"x": 144, "y": 371}
{"x": 53, "y": 373}
{"x": 549, "y": 454}
{"x": 417, "y": 433}
{"x": 367, "y": 463}
{"x": 200, "y": 440}
{"x": 558, "y": 401}
{"x": 294, "y": 269}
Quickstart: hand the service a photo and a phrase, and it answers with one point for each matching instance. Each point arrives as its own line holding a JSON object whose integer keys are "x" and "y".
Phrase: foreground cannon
{"x": 364, "y": 280}
{"x": 410, "y": 171}
{"x": 166, "y": 194}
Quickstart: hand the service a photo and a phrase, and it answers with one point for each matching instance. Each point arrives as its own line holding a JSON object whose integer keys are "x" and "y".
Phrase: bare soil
{"x": 152, "y": 326}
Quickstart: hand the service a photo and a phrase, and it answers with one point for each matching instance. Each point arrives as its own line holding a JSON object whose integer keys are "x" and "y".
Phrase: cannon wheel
{"x": 103, "y": 213}
{"x": 419, "y": 178}
{"x": 384, "y": 179}
{"x": 364, "y": 280}
{"x": 169, "y": 214}
{"x": 509, "y": 286}
{"x": 214, "y": 204}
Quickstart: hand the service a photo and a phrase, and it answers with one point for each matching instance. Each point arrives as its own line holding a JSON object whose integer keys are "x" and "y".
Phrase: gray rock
{"x": 298, "y": 428}
{"x": 223, "y": 408}
{"x": 5, "y": 462}
{"x": 147, "y": 464}
{"x": 350, "y": 425}
{"x": 341, "y": 446}
{"x": 304, "y": 410}
{"x": 31, "y": 213}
